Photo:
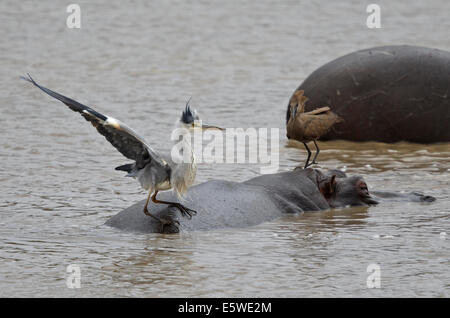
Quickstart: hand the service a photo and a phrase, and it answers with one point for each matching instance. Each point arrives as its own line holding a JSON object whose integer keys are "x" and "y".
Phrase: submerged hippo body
{"x": 386, "y": 94}
{"x": 221, "y": 204}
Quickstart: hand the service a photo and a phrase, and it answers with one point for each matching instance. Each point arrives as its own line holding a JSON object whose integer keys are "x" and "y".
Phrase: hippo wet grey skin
{"x": 222, "y": 204}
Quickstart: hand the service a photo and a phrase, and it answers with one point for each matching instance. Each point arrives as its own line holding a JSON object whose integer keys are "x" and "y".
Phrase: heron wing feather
{"x": 122, "y": 137}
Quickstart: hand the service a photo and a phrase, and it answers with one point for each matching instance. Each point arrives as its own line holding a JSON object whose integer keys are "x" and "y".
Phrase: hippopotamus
{"x": 222, "y": 204}
{"x": 386, "y": 94}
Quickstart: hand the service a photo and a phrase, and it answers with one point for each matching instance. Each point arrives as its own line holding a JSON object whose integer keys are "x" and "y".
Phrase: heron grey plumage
{"x": 153, "y": 171}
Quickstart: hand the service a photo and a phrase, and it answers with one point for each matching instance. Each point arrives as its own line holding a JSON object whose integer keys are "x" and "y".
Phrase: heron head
{"x": 191, "y": 120}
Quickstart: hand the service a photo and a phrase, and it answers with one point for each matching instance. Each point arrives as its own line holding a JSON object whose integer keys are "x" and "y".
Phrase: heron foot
{"x": 186, "y": 212}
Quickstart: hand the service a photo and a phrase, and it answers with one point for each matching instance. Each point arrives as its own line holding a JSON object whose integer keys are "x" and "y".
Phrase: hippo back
{"x": 218, "y": 204}
{"x": 221, "y": 204}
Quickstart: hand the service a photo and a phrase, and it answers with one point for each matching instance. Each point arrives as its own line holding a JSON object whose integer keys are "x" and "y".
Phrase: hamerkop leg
{"x": 309, "y": 155}
{"x": 317, "y": 153}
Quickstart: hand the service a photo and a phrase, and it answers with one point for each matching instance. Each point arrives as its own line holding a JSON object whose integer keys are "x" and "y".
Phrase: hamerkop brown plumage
{"x": 306, "y": 127}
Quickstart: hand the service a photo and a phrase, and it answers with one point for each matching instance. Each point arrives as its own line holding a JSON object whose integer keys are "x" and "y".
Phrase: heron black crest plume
{"x": 188, "y": 116}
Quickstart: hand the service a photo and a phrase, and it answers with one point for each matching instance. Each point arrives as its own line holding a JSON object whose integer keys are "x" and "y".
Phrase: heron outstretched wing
{"x": 122, "y": 137}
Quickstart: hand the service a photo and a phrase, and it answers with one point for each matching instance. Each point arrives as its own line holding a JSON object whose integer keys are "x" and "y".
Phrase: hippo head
{"x": 341, "y": 191}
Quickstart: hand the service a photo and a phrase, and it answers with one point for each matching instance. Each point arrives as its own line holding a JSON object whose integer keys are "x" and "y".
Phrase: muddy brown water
{"x": 240, "y": 61}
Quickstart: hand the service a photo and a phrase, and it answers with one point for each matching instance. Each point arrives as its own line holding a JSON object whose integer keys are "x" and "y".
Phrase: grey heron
{"x": 154, "y": 172}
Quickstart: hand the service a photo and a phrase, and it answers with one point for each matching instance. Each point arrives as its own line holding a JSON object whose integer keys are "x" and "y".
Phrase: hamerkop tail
{"x": 306, "y": 127}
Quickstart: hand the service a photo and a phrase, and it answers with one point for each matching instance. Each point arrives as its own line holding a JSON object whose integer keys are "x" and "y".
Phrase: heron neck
{"x": 190, "y": 150}
{"x": 186, "y": 145}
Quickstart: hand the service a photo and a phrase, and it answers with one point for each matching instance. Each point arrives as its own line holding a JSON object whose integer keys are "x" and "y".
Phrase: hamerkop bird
{"x": 306, "y": 127}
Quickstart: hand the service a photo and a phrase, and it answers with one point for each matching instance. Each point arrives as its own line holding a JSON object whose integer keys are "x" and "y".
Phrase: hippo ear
{"x": 328, "y": 186}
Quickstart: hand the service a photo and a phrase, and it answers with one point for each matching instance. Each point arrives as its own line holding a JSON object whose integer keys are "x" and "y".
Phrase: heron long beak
{"x": 205, "y": 127}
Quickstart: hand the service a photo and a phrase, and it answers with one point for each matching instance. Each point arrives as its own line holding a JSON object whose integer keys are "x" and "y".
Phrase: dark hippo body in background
{"x": 221, "y": 204}
{"x": 387, "y": 94}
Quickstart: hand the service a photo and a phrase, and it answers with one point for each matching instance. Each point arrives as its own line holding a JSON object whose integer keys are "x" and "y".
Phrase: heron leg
{"x": 317, "y": 152}
{"x": 184, "y": 210}
{"x": 309, "y": 155}
{"x": 163, "y": 222}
